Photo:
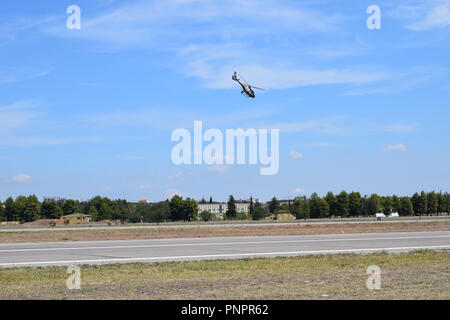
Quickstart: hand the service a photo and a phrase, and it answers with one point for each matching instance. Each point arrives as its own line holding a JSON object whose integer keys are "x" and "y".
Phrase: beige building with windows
{"x": 220, "y": 208}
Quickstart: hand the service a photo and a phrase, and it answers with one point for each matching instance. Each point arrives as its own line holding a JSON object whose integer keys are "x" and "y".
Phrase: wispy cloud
{"x": 401, "y": 81}
{"x": 200, "y": 33}
{"x": 403, "y": 128}
{"x": 145, "y": 187}
{"x": 320, "y": 144}
{"x": 18, "y": 118}
{"x": 436, "y": 16}
{"x": 17, "y": 114}
{"x": 296, "y": 155}
{"x": 398, "y": 147}
{"x": 9, "y": 30}
{"x": 141, "y": 22}
{"x": 11, "y": 75}
{"x": 20, "y": 178}
{"x": 217, "y": 76}
{"x": 331, "y": 125}
{"x": 218, "y": 168}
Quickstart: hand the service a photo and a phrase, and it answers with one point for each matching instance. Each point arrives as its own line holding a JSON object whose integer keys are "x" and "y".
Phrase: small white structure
{"x": 394, "y": 214}
{"x": 380, "y": 215}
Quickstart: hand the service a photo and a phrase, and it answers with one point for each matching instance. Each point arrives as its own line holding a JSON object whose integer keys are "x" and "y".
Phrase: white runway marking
{"x": 213, "y": 256}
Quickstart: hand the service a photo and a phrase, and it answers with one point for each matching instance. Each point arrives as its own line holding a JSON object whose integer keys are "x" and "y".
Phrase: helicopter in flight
{"x": 246, "y": 88}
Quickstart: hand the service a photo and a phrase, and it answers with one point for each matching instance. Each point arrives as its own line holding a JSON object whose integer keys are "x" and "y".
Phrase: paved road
{"x": 102, "y": 252}
{"x": 256, "y": 224}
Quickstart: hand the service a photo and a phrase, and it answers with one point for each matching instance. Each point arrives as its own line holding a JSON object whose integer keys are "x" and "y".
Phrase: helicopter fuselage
{"x": 245, "y": 88}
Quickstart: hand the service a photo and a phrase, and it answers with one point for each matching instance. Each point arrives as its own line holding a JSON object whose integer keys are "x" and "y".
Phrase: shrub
{"x": 206, "y": 216}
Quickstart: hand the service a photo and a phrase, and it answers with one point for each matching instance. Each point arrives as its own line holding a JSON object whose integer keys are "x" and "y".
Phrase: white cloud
{"x": 437, "y": 16}
{"x": 320, "y": 144}
{"x": 325, "y": 125}
{"x": 145, "y": 187}
{"x": 212, "y": 39}
{"x": 21, "y": 178}
{"x": 176, "y": 175}
{"x": 296, "y": 155}
{"x": 16, "y": 115}
{"x": 24, "y": 115}
{"x": 10, "y": 75}
{"x": 218, "y": 168}
{"x": 399, "y": 81}
{"x": 298, "y": 191}
{"x": 143, "y": 22}
{"x": 281, "y": 77}
{"x": 403, "y": 128}
{"x": 398, "y": 147}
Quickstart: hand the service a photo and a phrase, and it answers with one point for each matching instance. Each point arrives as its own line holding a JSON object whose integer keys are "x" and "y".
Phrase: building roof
{"x": 77, "y": 214}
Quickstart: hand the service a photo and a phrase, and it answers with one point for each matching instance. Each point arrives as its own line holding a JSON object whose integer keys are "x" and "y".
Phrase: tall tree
{"x": 447, "y": 196}
{"x": 50, "y": 210}
{"x": 432, "y": 203}
{"x": 70, "y": 207}
{"x": 231, "y": 211}
{"x": 32, "y": 208}
{"x": 11, "y": 212}
{"x": 415, "y": 199}
{"x": 324, "y": 209}
{"x": 176, "y": 209}
{"x": 343, "y": 204}
{"x": 251, "y": 207}
{"x": 93, "y": 213}
{"x": 314, "y": 205}
{"x": 396, "y": 203}
{"x": 386, "y": 205}
{"x": 423, "y": 203}
{"x": 274, "y": 205}
{"x": 2, "y": 212}
{"x": 406, "y": 207}
{"x": 20, "y": 204}
{"x": 374, "y": 204}
{"x": 443, "y": 202}
{"x": 300, "y": 208}
{"x": 331, "y": 200}
{"x": 365, "y": 206}
{"x": 355, "y": 204}
{"x": 190, "y": 211}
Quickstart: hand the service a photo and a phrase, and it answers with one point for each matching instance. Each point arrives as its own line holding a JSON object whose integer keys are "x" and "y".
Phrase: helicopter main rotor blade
{"x": 243, "y": 79}
{"x": 258, "y": 88}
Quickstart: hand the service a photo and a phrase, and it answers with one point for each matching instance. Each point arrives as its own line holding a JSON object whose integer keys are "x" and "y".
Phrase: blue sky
{"x": 91, "y": 111}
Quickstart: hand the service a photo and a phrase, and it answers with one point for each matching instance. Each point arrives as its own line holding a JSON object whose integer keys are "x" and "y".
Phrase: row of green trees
{"x": 354, "y": 205}
{"x": 27, "y": 209}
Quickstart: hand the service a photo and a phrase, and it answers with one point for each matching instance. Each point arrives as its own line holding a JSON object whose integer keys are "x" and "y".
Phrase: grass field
{"x": 415, "y": 275}
{"x": 163, "y": 233}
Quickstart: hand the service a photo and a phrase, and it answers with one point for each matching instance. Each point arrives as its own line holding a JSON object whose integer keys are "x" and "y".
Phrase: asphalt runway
{"x": 126, "y": 251}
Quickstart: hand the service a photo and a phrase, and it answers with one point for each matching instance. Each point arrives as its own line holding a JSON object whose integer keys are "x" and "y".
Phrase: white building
{"x": 220, "y": 208}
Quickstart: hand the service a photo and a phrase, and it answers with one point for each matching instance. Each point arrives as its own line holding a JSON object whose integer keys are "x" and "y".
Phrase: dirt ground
{"x": 164, "y": 233}
{"x": 416, "y": 275}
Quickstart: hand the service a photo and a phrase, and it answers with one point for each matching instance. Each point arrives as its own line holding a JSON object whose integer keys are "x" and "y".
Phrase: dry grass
{"x": 163, "y": 233}
{"x": 416, "y": 275}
